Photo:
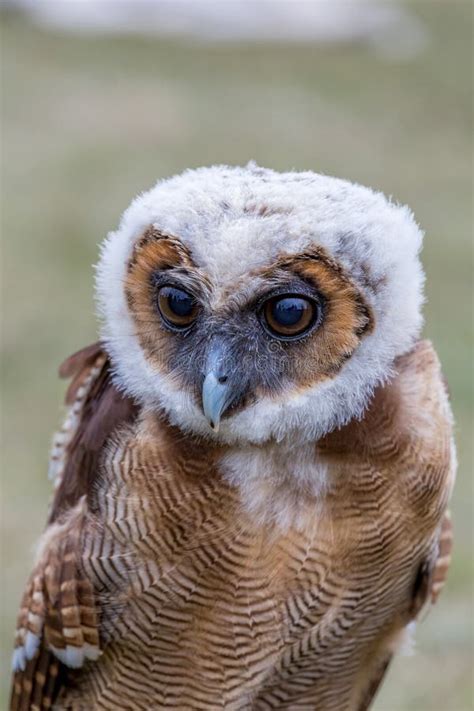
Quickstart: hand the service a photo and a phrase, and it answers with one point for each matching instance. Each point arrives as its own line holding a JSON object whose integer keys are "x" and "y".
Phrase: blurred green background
{"x": 89, "y": 121}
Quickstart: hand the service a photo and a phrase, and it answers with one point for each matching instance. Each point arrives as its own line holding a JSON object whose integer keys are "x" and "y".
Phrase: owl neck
{"x": 287, "y": 482}
{"x": 278, "y": 482}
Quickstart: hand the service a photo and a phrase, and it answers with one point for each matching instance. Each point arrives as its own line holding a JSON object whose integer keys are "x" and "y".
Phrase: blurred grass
{"x": 88, "y": 122}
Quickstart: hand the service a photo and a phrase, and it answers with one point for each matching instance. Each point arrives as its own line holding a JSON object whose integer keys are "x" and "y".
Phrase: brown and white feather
{"x": 195, "y": 604}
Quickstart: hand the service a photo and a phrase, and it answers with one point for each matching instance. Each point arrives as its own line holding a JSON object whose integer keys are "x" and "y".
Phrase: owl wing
{"x": 433, "y": 572}
{"x": 429, "y": 583}
{"x": 57, "y": 624}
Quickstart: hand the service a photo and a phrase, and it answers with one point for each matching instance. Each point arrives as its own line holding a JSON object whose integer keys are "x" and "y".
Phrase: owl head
{"x": 250, "y": 305}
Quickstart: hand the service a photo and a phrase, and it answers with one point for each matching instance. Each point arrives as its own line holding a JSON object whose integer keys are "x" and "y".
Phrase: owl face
{"x": 251, "y": 305}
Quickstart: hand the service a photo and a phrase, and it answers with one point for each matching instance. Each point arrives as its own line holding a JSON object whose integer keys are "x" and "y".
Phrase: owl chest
{"x": 196, "y": 588}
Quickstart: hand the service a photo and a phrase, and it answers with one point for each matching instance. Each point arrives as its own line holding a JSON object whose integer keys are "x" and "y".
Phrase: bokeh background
{"x": 99, "y": 102}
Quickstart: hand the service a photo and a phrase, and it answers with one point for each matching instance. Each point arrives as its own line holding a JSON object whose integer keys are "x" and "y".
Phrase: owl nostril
{"x": 222, "y": 379}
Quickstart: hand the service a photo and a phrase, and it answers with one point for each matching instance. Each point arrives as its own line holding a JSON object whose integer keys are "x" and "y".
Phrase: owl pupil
{"x": 289, "y": 311}
{"x": 180, "y": 303}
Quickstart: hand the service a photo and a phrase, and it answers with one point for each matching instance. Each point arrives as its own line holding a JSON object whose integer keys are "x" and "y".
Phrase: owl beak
{"x": 215, "y": 399}
{"x": 218, "y": 389}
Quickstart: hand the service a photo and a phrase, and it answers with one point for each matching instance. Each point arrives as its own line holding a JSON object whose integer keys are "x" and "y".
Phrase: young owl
{"x": 252, "y": 480}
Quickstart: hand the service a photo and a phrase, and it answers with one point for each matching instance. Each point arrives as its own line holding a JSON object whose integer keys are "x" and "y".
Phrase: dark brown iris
{"x": 177, "y": 308}
{"x": 289, "y": 315}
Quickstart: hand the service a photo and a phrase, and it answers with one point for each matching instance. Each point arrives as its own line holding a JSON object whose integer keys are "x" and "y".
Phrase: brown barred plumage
{"x": 195, "y": 604}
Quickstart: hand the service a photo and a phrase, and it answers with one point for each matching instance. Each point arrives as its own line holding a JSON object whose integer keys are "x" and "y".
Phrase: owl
{"x": 251, "y": 484}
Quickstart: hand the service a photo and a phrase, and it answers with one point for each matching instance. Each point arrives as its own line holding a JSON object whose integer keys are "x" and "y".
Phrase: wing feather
{"x": 58, "y": 622}
{"x": 432, "y": 572}
{"x": 429, "y": 581}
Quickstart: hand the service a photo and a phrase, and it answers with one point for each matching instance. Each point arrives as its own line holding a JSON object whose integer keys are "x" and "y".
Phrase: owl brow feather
{"x": 154, "y": 234}
{"x": 193, "y": 280}
{"x": 285, "y": 261}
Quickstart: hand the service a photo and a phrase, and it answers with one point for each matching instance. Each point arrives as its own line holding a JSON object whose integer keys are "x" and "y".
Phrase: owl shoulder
{"x": 425, "y": 421}
{"x": 96, "y": 409}
{"x": 406, "y": 433}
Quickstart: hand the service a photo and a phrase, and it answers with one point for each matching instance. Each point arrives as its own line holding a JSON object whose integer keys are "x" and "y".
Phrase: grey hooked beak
{"x": 219, "y": 390}
{"x": 215, "y": 399}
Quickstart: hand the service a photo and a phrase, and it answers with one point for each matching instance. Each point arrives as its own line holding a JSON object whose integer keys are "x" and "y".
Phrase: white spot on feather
{"x": 19, "y": 659}
{"x": 31, "y": 644}
{"x": 74, "y": 657}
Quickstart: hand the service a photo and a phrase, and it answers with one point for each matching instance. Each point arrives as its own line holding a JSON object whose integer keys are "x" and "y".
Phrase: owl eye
{"x": 290, "y": 315}
{"x": 177, "y": 308}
